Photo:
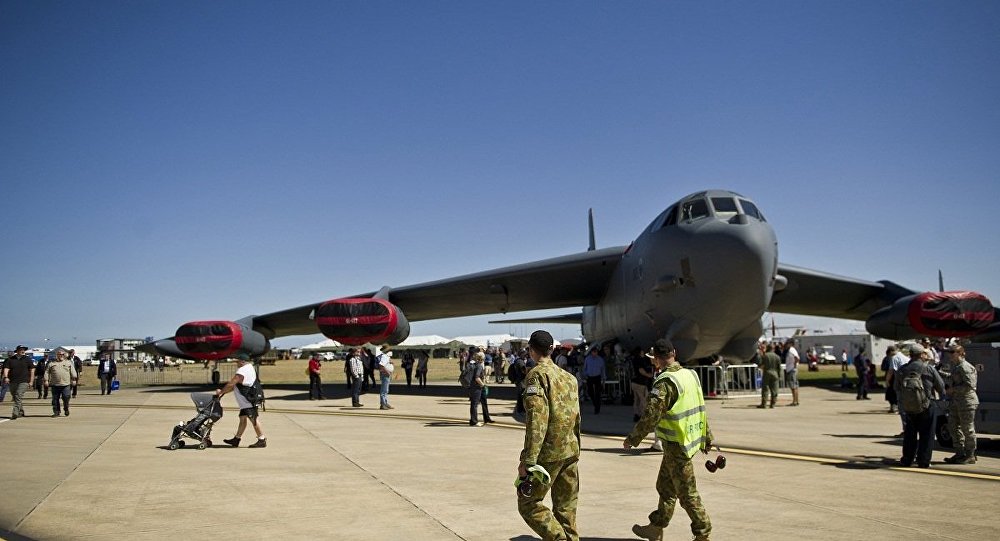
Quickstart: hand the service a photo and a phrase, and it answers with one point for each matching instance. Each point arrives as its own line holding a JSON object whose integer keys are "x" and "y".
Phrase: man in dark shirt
{"x": 18, "y": 372}
{"x": 918, "y": 426}
{"x": 642, "y": 379}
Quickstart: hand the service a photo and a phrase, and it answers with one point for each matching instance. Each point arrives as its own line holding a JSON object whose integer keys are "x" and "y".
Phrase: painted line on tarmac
{"x": 512, "y": 426}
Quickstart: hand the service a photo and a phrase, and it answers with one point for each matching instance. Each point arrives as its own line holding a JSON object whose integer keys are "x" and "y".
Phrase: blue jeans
{"x": 60, "y": 392}
{"x": 383, "y": 395}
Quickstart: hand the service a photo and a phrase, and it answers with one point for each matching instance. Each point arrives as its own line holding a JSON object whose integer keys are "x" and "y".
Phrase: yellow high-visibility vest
{"x": 685, "y": 423}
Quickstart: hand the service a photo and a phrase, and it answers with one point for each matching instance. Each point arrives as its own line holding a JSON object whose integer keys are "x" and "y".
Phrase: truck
{"x": 986, "y": 359}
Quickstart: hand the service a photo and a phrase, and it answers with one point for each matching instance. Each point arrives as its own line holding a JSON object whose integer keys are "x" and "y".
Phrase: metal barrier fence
{"x": 733, "y": 381}
{"x": 184, "y": 374}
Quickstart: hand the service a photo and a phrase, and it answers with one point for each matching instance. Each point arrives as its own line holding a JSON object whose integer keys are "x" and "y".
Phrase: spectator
{"x": 422, "y": 359}
{"x": 843, "y": 360}
{"x": 18, "y": 372}
{"x": 59, "y": 375}
{"x": 642, "y": 381}
{"x": 315, "y": 382}
{"x": 4, "y": 384}
{"x": 915, "y": 384}
{"x": 356, "y": 369}
{"x": 107, "y": 370}
{"x": 478, "y": 391}
{"x": 385, "y": 368}
{"x": 595, "y": 372}
{"x": 897, "y": 361}
{"x": 408, "y": 367}
{"x": 370, "y": 366}
{"x": 43, "y": 391}
{"x": 78, "y": 365}
{"x": 517, "y": 372}
{"x": 861, "y": 369}
{"x": 243, "y": 381}
{"x": 792, "y": 370}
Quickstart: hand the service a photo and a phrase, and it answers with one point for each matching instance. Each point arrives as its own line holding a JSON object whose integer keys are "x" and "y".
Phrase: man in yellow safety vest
{"x": 676, "y": 409}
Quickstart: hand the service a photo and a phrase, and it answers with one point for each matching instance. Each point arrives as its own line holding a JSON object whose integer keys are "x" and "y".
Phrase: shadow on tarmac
{"x": 10, "y": 536}
{"x": 533, "y": 538}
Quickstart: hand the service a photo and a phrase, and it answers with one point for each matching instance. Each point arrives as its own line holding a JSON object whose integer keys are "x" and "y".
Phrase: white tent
{"x": 488, "y": 340}
{"x": 429, "y": 340}
{"x": 325, "y": 344}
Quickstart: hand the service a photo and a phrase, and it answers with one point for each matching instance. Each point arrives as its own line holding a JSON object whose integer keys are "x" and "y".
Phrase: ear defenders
{"x": 718, "y": 464}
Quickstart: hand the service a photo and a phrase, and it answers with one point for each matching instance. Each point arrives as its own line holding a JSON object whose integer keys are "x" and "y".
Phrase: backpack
{"x": 913, "y": 396}
{"x": 253, "y": 393}
{"x": 516, "y": 372}
{"x": 468, "y": 376}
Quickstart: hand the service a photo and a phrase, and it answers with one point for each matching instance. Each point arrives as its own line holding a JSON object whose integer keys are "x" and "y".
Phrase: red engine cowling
{"x": 362, "y": 321}
{"x": 945, "y": 314}
{"x": 213, "y": 340}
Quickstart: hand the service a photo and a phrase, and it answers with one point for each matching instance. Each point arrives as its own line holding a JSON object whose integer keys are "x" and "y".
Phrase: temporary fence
{"x": 733, "y": 381}
{"x": 135, "y": 374}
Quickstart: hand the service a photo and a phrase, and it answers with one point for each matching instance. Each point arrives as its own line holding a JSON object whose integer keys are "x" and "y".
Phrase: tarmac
{"x": 420, "y": 472}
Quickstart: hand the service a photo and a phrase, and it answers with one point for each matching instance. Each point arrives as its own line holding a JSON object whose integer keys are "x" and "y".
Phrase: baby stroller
{"x": 199, "y": 428}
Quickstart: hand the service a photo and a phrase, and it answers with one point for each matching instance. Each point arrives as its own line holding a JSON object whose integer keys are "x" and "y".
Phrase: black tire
{"x": 208, "y": 442}
{"x": 942, "y": 433}
{"x": 173, "y": 446}
{"x": 181, "y": 443}
{"x": 201, "y": 446}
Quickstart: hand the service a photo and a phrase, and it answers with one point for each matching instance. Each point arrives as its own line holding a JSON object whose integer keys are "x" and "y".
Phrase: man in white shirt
{"x": 244, "y": 379}
{"x": 792, "y": 370}
{"x": 385, "y": 368}
{"x": 356, "y": 369}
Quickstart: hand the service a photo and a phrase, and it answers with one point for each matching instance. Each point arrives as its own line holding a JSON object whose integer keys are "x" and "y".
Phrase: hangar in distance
{"x": 667, "y": 283}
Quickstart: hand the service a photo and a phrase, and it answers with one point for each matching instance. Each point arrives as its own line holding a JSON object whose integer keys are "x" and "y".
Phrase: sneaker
{"x": 649, "y": 532}
{"x": 232, "y": 442}
{"x": 480, "y": 423}
{"x": 259, "y": 444}
{"x": 56, "y": 414}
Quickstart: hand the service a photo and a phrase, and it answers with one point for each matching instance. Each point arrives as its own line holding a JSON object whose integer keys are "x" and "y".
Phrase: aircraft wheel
{"x": 181, "y": 443}
{"x": 201, "y": 446}
{"x": 942, "y": 433}
{"x": 173, "y": 446}
{"x": 208, "y": 443}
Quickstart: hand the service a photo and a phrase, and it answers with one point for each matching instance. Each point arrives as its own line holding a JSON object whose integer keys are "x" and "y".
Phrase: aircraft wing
{"x": 816, "y": 293}
{"x": 574, "y": 280}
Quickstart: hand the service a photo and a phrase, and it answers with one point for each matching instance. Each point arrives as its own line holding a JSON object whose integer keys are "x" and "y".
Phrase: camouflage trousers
{"x": 962, "y": 423}
{"x": 676, "y": 482}
{"x": 770, "y": 387}
{"x": 559, "y": 524}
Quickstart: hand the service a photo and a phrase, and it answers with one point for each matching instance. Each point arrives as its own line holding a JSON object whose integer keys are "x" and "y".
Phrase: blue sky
{"x": 163, "y": 162}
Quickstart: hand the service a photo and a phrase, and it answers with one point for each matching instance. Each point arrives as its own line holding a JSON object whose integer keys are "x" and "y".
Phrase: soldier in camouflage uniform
{"x": 770, "y": 365}
{"x": 552, "y": 441}
{"x": 676, "y": 409}
{"x": 962, "y": 408}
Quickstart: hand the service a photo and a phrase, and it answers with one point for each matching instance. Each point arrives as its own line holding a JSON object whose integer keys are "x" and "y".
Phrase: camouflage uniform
{"x": 552, "y": 440}
{"x": 676, "y": 480}
{"x": 771, "y": 365}
{"x": 962, "y": 408}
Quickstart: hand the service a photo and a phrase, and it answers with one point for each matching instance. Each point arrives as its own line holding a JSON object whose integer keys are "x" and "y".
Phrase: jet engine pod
{"x": 213, "y": 340}
{"x": 945, "y": 314}
{"x": 359, "y": 321}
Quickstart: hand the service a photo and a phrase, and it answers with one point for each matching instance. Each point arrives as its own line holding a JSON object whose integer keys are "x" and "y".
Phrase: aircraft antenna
{"x": 590, "y": 221}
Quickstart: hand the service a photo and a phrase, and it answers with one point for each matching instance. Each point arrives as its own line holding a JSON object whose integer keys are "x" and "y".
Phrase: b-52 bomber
{"x": 701, "y": 274}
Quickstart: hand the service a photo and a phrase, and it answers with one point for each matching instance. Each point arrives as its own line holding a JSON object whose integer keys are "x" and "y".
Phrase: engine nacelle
{"x": 945, "y": 314}
{"x": 214, "y": 340}
{"x": 360, "y": 321}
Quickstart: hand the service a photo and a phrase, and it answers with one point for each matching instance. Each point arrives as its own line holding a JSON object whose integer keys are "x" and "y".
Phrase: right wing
{"x": 816, "y": 293}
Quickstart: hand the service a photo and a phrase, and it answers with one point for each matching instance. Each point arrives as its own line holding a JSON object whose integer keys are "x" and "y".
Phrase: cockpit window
{"x": 725, "y": 207}
{"x": 751, "y": 210}
{"x": 694, "y": 209}
{"x": 671, "y": 217}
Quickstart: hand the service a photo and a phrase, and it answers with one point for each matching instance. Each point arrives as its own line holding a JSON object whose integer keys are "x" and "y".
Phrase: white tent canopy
{"x": 325, "y": 344}
{"x": 429, "y": 340}
{"x": 488, "y": 340}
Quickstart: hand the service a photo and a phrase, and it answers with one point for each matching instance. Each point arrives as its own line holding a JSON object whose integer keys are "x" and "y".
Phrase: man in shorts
{"x": 245, "y": 377}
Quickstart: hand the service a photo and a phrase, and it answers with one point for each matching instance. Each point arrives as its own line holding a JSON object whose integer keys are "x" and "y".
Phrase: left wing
{"x": 889, "y": 310}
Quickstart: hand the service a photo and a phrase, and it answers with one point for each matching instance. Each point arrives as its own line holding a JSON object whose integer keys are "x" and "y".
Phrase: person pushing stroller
{"x": 244, "y": 381}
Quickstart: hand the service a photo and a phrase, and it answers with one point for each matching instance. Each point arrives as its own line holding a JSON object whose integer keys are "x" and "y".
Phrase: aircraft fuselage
{"x": 701, "y": 274}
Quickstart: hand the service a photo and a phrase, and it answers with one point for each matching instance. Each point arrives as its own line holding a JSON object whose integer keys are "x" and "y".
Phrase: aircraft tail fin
{"x": 590, "y": 222}
{"x": 940, "y": 281}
